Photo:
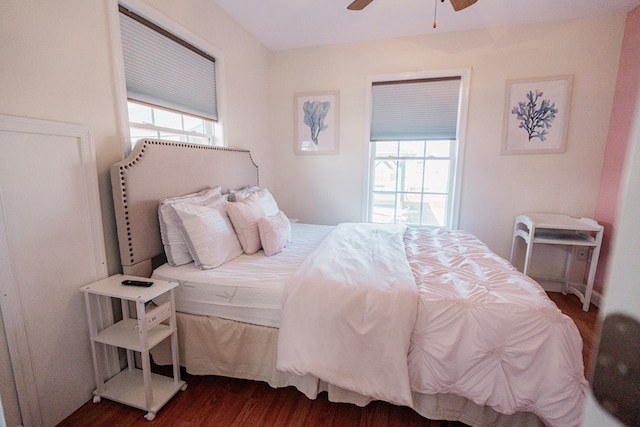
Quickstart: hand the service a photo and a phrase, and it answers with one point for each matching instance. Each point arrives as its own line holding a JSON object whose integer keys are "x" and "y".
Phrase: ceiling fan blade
{"x": 461, "y": 4}
{"x": 359, "y": 4}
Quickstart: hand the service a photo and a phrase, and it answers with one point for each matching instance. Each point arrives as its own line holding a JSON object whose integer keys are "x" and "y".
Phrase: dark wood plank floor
{"x": 219, "y": 401}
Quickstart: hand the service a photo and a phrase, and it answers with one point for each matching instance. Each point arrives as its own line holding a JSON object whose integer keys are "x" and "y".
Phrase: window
{"x": 415, "y": 150}
{"x": 170, "y": 83}
{"x": 412, "y": 181}
{"x": 146, "y": 121}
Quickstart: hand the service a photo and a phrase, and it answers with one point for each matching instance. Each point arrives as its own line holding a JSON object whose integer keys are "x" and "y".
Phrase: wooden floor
{"x": 585, "y": 321}
{"x": 219, "y": 401}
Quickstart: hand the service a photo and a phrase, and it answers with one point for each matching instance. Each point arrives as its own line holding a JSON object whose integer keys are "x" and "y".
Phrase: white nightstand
{"x": 132, "y": 386}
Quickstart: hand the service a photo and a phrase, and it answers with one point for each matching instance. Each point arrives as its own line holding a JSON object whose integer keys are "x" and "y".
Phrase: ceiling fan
{"x": 457, "y": 4}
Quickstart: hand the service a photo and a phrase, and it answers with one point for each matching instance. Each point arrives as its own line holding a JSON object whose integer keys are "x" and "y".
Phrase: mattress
{"x": 247, "y": 289}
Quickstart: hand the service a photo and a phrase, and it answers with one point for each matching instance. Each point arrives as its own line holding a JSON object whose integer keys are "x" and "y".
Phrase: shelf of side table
{"x": 133, "y": 386}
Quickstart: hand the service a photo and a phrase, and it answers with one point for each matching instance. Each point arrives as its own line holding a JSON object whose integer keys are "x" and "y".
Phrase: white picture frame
{"x": 316, "y": 117}
{"x": 537, "y": 115}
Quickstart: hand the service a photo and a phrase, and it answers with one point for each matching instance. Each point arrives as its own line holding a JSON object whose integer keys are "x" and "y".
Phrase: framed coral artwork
{"x": 537, "y": 115}
{"x": 316, "y": 122}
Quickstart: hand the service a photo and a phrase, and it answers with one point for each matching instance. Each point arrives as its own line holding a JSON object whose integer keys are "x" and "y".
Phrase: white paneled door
{"x": 51, "y": 244}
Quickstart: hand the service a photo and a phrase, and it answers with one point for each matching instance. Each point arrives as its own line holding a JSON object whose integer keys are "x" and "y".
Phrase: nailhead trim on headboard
{"x": 126, "y": 210}
{"x": 148, "y": 142}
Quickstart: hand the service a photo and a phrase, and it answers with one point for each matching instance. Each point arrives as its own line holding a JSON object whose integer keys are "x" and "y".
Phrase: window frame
{"x": 156, "y": 17}
{"x": 183, "y": 135}
{"x": 457, "y": 150}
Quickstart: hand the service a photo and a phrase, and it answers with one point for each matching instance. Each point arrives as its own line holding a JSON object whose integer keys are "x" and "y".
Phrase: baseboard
{"x": 556, "y": 286}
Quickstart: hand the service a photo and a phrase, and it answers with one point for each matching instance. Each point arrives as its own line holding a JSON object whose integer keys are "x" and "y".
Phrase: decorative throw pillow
{"x": 175, "y": 246}
{"x": 208, "y": 233}
{"x": 275, "y": 233}
{"x": 245, "y": 215}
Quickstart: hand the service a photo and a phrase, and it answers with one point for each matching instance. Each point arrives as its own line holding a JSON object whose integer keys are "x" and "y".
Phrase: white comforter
{"x": 482, "y": 330}
{"x": 348, "y": 313}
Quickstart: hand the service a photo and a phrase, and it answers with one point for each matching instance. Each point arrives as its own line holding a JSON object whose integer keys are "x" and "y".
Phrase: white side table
{"x": 132, "y": 386}
{"x": 556, "y": 229}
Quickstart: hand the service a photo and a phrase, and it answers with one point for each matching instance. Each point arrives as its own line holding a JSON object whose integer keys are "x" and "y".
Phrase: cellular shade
{"x": 424, "y": 109}
{"x": 165, "y": 71}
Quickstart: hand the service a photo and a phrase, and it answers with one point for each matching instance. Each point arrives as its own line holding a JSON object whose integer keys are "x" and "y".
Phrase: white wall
{"x": 328, "y": 189}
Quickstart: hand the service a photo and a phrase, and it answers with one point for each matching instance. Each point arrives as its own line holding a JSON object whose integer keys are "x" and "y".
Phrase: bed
{"x": 430, "y": 319}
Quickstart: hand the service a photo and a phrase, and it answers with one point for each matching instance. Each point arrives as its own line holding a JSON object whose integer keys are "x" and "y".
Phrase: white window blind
{"x": 422, "y": 109}
{"x": 165, "y": 71}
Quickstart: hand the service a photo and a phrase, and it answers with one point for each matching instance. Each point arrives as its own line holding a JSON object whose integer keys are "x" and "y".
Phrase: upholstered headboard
{"x": 157, "y": 169}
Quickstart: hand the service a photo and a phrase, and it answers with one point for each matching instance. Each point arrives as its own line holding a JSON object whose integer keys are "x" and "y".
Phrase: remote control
{"x": 137, "y": 283}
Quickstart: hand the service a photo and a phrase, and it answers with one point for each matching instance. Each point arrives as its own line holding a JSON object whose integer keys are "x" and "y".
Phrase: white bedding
{"x": 483, "y": 331}
{"x": 348, "y": 313}
{"x": 248, "y": 288}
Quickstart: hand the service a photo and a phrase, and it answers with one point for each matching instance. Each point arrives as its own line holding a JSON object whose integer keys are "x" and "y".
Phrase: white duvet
{"x": 348, "y": 313}
{"x": 478, "y": 328}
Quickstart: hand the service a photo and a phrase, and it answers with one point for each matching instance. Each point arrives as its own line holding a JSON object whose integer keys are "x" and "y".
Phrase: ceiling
{"x": 289, "y": 24}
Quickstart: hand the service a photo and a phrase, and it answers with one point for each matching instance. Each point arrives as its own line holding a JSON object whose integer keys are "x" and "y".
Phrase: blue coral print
{"x": 314, "y": 115}
{"x": 535, "y": 119}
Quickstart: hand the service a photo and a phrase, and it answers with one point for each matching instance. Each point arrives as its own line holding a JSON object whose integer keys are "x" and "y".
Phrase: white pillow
{"x": 275, "y": 233}
{"x": 208, "y": 233}
{"x": 175, "y": 246}
{"x": 245, "y": 215}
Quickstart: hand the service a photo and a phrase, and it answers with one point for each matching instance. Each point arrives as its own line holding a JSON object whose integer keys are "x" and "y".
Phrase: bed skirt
{"x": 213, "y": 346}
